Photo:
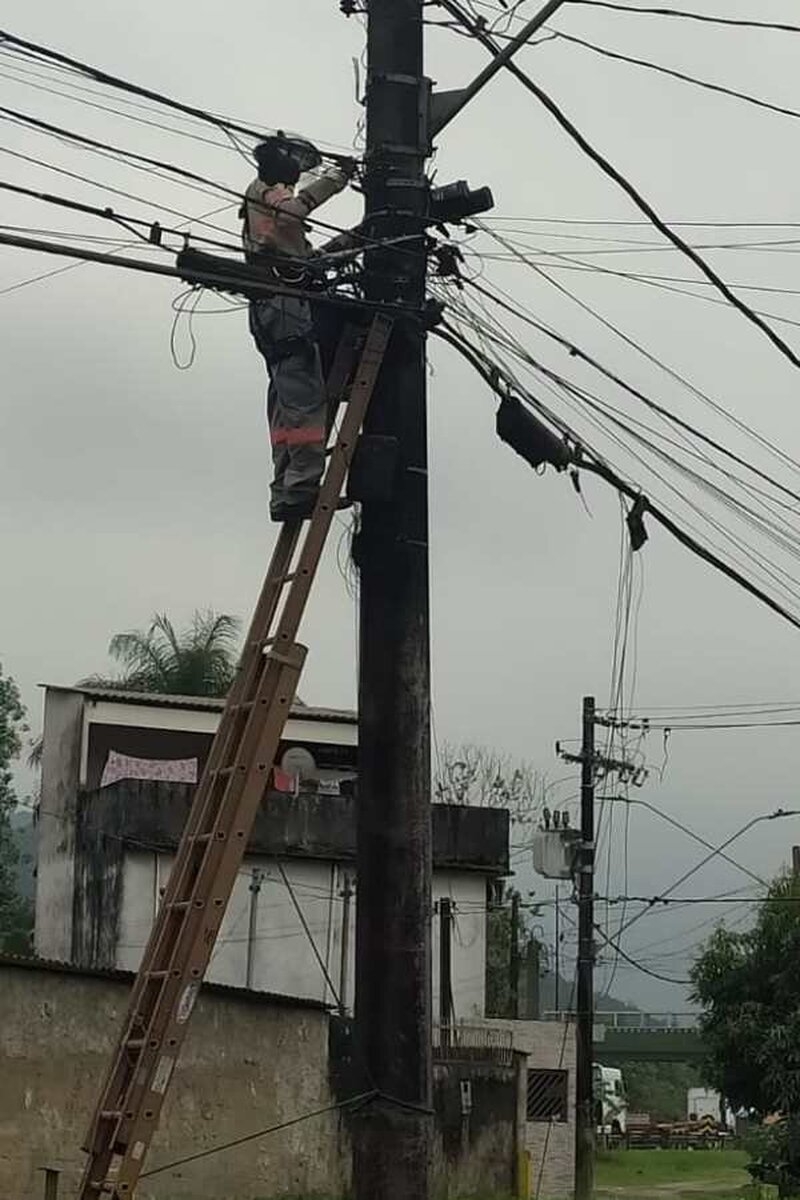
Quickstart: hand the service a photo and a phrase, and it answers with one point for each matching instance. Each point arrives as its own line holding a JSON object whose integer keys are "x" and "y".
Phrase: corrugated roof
{"x": 222, "y": 989}
{"x": 198, "y": 703}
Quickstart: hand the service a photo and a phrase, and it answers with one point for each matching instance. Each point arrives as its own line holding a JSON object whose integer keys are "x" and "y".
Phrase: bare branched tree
{"x": 473, "y": 774}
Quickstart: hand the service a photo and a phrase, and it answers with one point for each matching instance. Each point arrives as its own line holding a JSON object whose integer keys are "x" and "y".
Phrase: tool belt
{"x": 292, "y": 272}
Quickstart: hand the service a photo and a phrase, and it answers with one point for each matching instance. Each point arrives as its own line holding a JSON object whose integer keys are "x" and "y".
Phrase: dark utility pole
{"x": 533, "y": 976}
{"x": 584, "y": 1104}
{"x": 513, "y": 959}
{"x": 557, "y": 955}
{"x": 347, "y": 894}
{"x": 393, "y": 915}
{"x": 252, "y": 928}
{"x": 445, "y": 968}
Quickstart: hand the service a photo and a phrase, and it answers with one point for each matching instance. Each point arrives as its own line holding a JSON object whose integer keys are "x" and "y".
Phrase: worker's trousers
{"x": 296, "y": 404}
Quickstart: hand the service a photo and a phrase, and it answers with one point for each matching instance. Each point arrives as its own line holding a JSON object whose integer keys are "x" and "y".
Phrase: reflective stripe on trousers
{"x": 296, "y": 403}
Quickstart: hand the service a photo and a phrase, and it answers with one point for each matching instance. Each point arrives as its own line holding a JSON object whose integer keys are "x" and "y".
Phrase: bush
{"x": 771, "y": 1161}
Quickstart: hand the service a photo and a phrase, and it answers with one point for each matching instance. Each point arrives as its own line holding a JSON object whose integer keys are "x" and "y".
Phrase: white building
{"x": 117, "y": 778}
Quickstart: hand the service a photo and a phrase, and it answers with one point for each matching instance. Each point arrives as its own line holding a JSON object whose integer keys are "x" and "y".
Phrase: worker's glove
{"x": 332, "y": 180}
{"x": 338, "y": 177}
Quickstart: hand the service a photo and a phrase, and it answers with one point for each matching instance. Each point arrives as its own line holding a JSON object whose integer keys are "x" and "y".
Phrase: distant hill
{"x": 566, "y": 997}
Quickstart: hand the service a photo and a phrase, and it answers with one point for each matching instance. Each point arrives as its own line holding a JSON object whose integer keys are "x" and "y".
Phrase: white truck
{"x": 703, "y": 1102}
{"x": 610, "y": 1100}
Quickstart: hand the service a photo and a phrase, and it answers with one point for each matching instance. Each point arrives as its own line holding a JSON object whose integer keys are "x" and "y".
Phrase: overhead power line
{"x": 589, "y": 460}
{"x": 706, "y": 18}
{"x": 685, "y": 727}
{"x": 115, "y": 191}
{"x": 667, "y": 901}
{"x": 20, "y": 73}
{"x": 108, "y": 214}
{"x": 153, "y": 165}
{"x": 667, "y": 283}
{"x": 496, "y": 334}
{"x": 502, "y": 341}
{"x": 675, "y": 74}
{"x": 613, "y": 377}
{"x": 614, "y": 944}
{"x": 630, "y": 190}
{"x": 715, "y": 853}
{"x": 492, "y": 218}
{"x": 224, "y": 279}
{"x": 696, "y": 837}
{"x": 224, "y": 123}
{"x": 93, "y": 144}
{"x": 628, "y": 245}
{"x": 721, "y": 410}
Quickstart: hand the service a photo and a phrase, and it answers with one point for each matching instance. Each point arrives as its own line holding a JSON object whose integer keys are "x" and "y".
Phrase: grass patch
{"x": 681, "y": 1174}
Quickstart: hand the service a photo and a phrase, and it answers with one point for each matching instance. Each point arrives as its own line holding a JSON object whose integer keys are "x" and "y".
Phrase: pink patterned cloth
{"x": 171, "y": 770}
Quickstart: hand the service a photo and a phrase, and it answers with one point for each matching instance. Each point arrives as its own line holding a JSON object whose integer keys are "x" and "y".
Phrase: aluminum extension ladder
{"x": 225, "y": 806}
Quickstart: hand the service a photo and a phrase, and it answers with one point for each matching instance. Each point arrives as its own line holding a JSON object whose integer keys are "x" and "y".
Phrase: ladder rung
{"x": 202, "y": 837}
{"x": 179, "y": 904}
{"x": 108, "y": 1114}
{"x": 135, "y": 1043}
{"x": 157, "y": 974}
{"x": 282, "y": 580}
{"x": 280, "y": 658}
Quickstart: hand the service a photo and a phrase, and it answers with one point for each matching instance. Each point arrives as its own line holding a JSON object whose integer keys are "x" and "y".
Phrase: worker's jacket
{"x": 274, "y": 217}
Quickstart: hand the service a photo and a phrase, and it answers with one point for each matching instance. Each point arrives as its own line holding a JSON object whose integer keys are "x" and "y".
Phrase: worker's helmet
{"x": 275, "y": 164}
{"x": 282, "y": 159}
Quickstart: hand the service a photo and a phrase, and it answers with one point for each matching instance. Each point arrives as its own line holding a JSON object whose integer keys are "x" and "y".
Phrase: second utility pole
{"x": 584, "y": 1103}
{"x": 392, "y": 1135}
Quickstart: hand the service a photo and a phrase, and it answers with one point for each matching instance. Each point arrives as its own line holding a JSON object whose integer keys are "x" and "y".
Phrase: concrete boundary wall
{"x": 247, "y": 1064}
{"x": 251, "y": 1060}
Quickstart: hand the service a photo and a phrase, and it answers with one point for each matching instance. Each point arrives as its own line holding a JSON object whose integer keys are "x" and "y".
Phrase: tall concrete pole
{"x": 584, "y": 1103}
{"x": 393, "y": 918}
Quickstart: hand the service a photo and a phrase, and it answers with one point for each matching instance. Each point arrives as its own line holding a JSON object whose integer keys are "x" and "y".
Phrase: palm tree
{"x": 198, "y": 661}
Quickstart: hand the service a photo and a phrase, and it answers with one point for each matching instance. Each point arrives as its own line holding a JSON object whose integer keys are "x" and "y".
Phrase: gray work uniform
{"x": 283, "y": 331}
{"x": 296, "y": 403}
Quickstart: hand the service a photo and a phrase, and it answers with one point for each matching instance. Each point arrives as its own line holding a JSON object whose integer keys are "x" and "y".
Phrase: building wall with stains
{"x": 56, "y": 824}
{"x": 250, "y": 1062}
{"x": 301, "y": 855}
{"x": 549, "y": 1046}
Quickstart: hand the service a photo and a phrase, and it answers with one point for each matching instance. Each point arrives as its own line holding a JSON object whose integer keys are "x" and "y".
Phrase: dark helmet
{"x": 282, "y": 158}
{"x": 275, "y": 163}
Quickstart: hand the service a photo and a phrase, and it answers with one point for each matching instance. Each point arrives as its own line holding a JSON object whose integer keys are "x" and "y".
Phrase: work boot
{"x": 302, "y": 508}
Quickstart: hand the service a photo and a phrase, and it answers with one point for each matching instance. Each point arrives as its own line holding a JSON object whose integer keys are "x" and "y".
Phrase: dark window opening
{"x": 547, "y": 1096}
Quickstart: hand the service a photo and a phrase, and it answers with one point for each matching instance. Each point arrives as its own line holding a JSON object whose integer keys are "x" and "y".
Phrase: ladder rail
{"x": 224, "y": 809}
{"x": 198, "y": 937}
{"x": 164, "y": 936}
{"x": 246, "y": 678}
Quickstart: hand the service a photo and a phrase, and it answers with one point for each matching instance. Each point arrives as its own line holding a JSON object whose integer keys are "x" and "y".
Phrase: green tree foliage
{"x": 659, "y": 1089}
{"x": 498, "y": 959}
{"x": 197, "y": 661}
{"x": 499, "y": 943}
{"x": 749, "y": 987}
{"x": 15, "y": 912}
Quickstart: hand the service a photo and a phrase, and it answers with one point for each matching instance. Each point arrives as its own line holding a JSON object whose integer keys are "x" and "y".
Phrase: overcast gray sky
{"x": 128, "y": 486}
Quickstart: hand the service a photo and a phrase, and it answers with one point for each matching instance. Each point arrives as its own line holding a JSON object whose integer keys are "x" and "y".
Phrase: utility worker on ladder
{"x": 274, "y": 237}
